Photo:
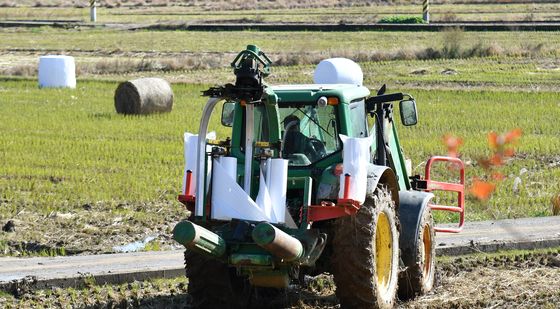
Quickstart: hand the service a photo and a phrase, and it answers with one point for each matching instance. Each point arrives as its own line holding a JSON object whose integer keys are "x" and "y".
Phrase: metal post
{"x": 200, "y": 192}
{"x": 92, "y": 11}
{"x": 426, "y": 11}
{"x": 249, "y": 139}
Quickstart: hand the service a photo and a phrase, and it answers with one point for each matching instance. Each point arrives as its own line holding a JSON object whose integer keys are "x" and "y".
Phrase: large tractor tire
{"x": 213, "y": 284}
{"x": 419, "y": 278}
{"x": 366, "y": 254}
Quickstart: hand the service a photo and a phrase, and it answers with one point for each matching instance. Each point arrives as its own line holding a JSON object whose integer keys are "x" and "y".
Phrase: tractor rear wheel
{"x": 419, "y": 278}
{"x": 212, "y": 284}
{"x": 366, "y": 254}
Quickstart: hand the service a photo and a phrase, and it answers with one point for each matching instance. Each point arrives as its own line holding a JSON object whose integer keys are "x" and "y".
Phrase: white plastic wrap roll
{"x": 57, "y": 72}
{"x": 338, "y": 71}
{"x": 277, "y": 183}
{"x": 230, "y": 165}
{"x": 190, "y": 142}
{"x": 229, "y": 200}
{"x": 355, "y": 157}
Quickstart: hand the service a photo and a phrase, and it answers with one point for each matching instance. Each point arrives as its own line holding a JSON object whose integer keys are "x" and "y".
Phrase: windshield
{"x": 309, "y": 133}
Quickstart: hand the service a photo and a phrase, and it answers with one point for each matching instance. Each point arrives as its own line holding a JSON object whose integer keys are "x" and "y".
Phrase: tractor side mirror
{"x": 228, "y": 113}
{"x": 409, "y": 114}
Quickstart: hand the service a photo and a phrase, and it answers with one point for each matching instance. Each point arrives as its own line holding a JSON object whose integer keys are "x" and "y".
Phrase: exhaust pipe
{"x": 199, "y": 239}
{"x": 277, "y": 242}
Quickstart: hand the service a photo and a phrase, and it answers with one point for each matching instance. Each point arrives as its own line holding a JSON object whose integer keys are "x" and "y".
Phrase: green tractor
{"x": 312, "y": 180}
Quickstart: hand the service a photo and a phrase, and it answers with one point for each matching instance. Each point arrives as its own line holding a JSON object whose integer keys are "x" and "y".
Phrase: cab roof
{"x": 312, "y": 92}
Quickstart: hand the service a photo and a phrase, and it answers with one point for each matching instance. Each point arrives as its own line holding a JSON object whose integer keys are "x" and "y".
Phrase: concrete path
{"x": 489, "y": 236}
{"x": 72, "y": 271}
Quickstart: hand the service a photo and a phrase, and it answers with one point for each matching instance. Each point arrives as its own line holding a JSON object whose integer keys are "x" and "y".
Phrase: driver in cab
{"x": 297, "y": 144}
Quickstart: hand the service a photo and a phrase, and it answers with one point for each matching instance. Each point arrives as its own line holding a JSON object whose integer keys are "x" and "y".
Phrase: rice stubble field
{"x": 76, "y": 178}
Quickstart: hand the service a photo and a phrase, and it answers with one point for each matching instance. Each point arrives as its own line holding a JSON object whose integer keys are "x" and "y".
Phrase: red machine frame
{"x": 432, "y": 185}
{"x": 346, "y": 206}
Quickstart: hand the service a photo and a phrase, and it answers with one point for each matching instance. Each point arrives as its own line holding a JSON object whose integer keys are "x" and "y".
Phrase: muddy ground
{"x": 95, "y": 228}
{"x": 512, "y": 280}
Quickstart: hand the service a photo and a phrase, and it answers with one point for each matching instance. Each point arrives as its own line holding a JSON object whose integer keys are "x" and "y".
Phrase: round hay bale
{"x": 144, "y": 96}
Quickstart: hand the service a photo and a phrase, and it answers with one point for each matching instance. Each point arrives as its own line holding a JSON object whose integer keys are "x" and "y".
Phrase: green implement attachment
{"x": 277, "y": 242}
{"x": 199, "y": 239}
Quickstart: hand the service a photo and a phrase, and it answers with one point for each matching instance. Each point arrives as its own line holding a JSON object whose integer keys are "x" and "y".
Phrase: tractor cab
{"x": 303, "y": 128}
{"x": 309, "y": 117}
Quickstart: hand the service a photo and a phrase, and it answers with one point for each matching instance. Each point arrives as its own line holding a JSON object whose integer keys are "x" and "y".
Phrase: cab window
{"x": 358, "y": 119}
{"x": 309, "y": 133}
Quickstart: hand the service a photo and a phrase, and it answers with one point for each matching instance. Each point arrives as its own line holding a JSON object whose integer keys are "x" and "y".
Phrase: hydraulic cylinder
{"x": 199, "y": 239}
{"x": 277, "y": 242}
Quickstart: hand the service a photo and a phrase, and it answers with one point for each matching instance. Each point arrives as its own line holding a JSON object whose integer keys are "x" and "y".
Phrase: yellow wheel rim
{"x": 383, "y": 252}
{"x": 427, "y": 252}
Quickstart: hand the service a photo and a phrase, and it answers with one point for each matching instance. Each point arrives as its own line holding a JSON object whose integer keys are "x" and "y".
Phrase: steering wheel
{"x": 315, "y": 149}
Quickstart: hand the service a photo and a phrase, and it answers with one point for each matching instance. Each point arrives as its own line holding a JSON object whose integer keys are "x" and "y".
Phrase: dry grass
{"x": 453, "y": 48}
{"x": 129, "y": 65}
{"x": 242, "y": 4}
{"x": 512, "y": 281}
{"x": 119, "y": 66}
{"x": 219, "y": 4}
{"x": 20, "y": 70}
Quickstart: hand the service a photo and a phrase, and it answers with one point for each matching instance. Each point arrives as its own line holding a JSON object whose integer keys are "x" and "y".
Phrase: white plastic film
{"x": 57, "y": 72}
{"x": 229, "y": 200}
{"x": 289, "y": 220}
{"x": 191, "y": 150}
{"x": 277, "y": 182}
{"x": 338, "y": 71}
{"x": 190, "y": 144}
{"x": 263, "y": 200}
{"x": 355, "y": 158}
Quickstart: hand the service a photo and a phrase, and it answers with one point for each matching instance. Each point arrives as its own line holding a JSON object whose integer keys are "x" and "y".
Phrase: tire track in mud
{"x": 522, "y": 280}
{"x": 526, "y": 279}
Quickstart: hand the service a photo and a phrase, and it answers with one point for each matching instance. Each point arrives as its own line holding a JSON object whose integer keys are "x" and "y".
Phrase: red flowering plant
{"x": 502, "y": 148}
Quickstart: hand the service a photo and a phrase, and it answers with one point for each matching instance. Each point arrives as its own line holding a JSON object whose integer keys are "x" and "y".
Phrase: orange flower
{"x": 498, "y": 176}
{"x": 493, "y": 140}
{"x": 482, "y": 190}
{"x": 496, "y": 160}
{"x": 513, "y": 135}
{"x": 509, "y": 152}
{"x": 452, "y": 143}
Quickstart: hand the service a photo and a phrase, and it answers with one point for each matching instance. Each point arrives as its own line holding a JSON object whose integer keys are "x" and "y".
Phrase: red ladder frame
{"x": 446, "y": 186}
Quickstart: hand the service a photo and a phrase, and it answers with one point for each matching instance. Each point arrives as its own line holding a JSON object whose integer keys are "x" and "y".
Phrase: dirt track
{"x": 523, "y": 280}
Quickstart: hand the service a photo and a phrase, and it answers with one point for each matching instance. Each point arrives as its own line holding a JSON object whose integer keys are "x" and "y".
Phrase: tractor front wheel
{"x": 366, "y": 254}
{"x": 212, "y": 284}
{"x": 418, "y": 279}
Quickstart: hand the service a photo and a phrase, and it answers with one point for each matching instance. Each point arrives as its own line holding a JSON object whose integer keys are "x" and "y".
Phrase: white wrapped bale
{"x": 338, "y": 71}
{"x": 144, "y": 96}
{"x": 57, "y": 72}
